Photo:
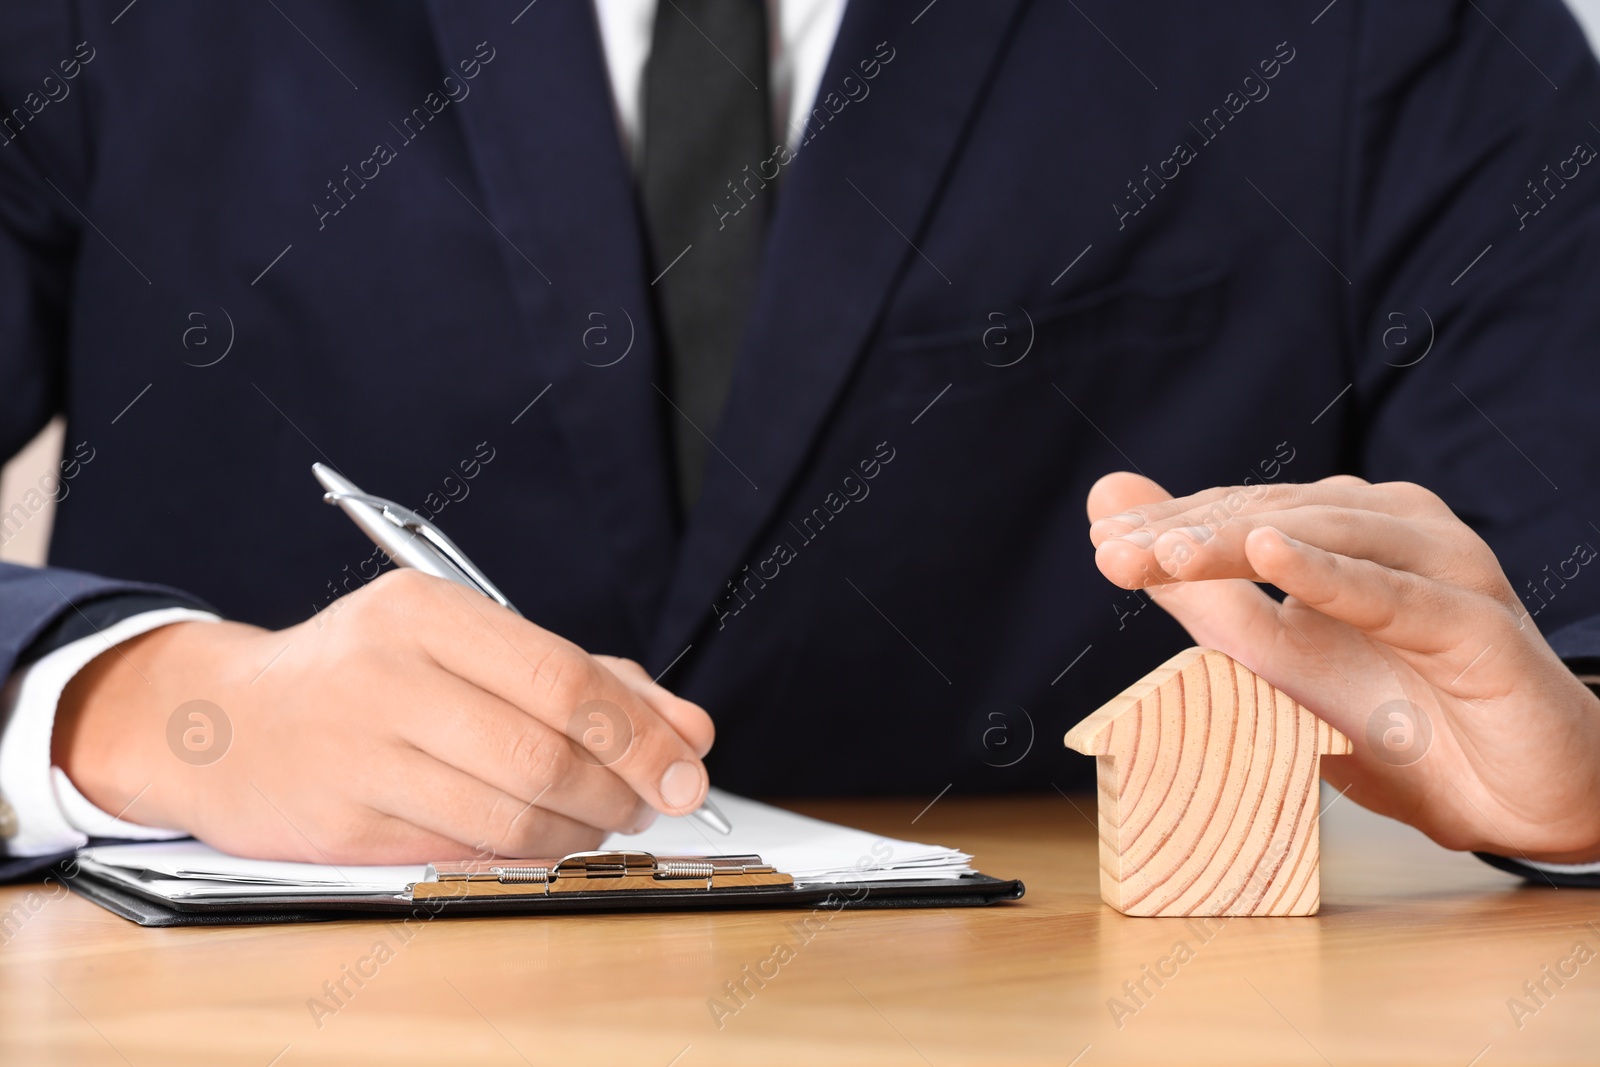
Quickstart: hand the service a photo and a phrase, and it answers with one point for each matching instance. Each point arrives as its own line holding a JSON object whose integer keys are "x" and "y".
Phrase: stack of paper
{"x": 189, "y": 870}
{"x": 810, "y": 850}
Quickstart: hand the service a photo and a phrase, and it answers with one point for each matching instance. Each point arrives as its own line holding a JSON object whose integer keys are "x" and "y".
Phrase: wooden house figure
{"x": 1207, "y": 792}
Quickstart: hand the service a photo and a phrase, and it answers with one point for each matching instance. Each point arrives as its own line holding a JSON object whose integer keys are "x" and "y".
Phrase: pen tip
{"x": 709, "y": 814}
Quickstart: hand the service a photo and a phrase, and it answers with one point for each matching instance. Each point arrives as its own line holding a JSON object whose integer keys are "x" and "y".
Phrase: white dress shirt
{"x": 52, "y": 816}
{"x": 802, "y": 33}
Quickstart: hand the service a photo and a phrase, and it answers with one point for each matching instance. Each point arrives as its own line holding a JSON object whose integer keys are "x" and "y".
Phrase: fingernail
{"x": 1127, "y": 518}
{"x": 646, "y": 821}
{"x": 680, "y": 786}
{"x": 1138, "y": 538}
{"x": 1198, "y": 534}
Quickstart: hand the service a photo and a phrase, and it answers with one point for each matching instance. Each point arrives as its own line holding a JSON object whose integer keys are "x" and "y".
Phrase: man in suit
{"x": 776, "y": 348}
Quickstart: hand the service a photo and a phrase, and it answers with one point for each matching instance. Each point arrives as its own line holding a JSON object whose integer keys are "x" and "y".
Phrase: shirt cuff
{"x": 1562, "y": 868}
{"x": 52, "y": 816}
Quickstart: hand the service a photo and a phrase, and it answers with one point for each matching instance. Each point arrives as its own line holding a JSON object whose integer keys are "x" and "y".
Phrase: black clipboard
{"x": 594, "y": 882}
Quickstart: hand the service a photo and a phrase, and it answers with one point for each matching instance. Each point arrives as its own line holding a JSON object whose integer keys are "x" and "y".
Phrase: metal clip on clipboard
{"x": 592, "y": 872}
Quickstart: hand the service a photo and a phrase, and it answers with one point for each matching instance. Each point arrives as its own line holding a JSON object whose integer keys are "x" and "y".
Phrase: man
{"x": 776, "y": 349}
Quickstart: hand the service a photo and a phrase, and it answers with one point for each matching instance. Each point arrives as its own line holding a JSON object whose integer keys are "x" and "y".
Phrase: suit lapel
{"x": 831, "y": 259}
{"x": 544, "y": 145}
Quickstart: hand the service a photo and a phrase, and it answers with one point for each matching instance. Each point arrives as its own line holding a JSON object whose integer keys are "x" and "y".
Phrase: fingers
{"x": 1234, "y": 617}
{"x": 508, "y": 750}
{"x": 1202, "y": 537}
{"x": 386, "y": 840}
{"x": 1403, "y": 610}
{"x": 1390, "y": 560}
{"x": 405, "y": 807}
{"x": 658, "y": 763}
{"x": 1215, "y": 507}
{"x": 440, "y": 800}
{"x": 364, "y": 837}
{"x": 1121, "y": 491}
{"x": 546, "y": 677}
{"x": 1202, "y": 552}
{"x": 686, "y": 717}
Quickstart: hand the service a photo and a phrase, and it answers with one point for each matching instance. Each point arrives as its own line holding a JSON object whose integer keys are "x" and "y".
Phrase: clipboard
{"x": 603, "y": 881}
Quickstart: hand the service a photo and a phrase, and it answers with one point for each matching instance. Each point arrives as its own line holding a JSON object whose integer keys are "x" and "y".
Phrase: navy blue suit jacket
{"x": 1016, "y": 250}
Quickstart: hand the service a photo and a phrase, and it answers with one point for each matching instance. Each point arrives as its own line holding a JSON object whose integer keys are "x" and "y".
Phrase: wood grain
{"x": 1207, "y": 792}
{"x": 1412, "y": 960}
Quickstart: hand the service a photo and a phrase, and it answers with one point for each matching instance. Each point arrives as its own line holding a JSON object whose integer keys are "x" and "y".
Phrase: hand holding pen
{"x": 413, "y": 721}
{"x": 413, "y": 542}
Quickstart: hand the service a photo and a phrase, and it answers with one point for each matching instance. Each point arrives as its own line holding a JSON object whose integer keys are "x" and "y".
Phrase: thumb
{"x": 1231, "y": 615}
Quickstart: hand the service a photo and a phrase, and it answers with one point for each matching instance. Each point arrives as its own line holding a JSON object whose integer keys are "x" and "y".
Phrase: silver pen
{"x": 412, "y": 541}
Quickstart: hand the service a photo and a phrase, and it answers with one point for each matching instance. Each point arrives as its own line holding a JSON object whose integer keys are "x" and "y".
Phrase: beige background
{"x": 17, "y": 477}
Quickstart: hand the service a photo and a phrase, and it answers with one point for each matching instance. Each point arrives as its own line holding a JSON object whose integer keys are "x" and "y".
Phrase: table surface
{"x": 1415, "y": 957}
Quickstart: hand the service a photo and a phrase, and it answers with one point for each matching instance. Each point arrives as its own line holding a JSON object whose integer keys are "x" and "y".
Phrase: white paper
{"x": 191, "y": 859}
{"x": 808, "y": 849}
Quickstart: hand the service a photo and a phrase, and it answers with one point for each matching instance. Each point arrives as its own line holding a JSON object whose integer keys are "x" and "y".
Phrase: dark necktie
{"x": 705, "y": 134}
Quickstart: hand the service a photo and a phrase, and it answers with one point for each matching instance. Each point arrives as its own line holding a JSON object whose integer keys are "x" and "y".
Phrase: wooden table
{"x": 1413, "y": 960}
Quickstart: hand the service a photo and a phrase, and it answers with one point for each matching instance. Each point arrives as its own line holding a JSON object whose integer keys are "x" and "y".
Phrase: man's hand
{"x": 414, "y": 720}
{"x": 1398, "y": 624}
